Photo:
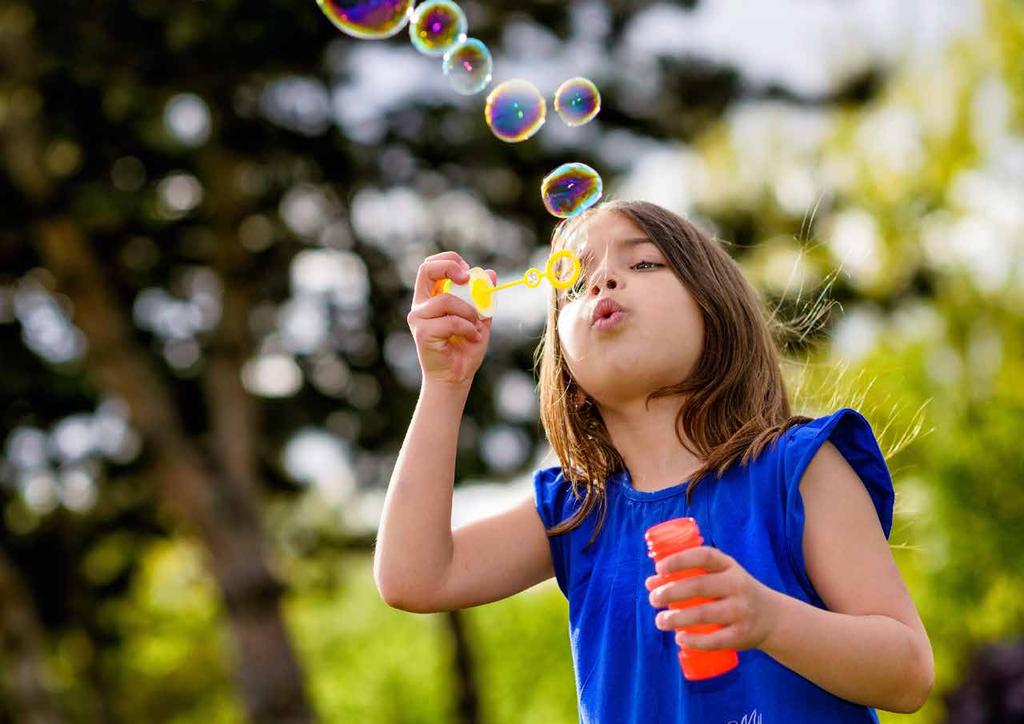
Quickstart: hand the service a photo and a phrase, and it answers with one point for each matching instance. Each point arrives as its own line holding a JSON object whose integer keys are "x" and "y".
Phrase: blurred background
{"x": 212, "y": 217}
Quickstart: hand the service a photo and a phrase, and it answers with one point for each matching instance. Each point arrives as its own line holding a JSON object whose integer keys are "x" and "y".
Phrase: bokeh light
{"x": 320, "y": 459}
{"x": 515, "y": 110}
{"x": 187, "y": 118}
{"x": 272, "y": 375}
{"x": 178, "y": 194}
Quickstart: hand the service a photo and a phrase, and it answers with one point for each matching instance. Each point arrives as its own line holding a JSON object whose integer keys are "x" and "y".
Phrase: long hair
{"x": 733, "y": 404}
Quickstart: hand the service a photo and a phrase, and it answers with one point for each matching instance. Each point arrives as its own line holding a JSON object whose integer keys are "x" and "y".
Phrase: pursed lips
{"x": 604, "y": 309}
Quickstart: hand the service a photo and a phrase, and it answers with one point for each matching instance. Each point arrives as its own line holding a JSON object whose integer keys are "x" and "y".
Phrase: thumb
{"x": 494, "y": 276}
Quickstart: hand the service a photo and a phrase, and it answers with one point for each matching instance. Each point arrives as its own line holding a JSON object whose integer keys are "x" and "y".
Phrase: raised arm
{"x": 419, "y": 563}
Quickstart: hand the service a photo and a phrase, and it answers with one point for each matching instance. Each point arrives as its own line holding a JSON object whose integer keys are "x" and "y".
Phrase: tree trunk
{"x": 467, "y": 707}
{"x": 26, "y": 678}
{"x": 215, "y": 499}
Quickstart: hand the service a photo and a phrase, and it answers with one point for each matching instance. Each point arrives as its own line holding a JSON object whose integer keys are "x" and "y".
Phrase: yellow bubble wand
{"x": 479, "y": 290}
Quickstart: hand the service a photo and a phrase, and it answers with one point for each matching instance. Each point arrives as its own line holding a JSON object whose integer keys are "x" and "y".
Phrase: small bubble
{"x": 515, "y": 110}
{"x": 436, "y": 26}
{"x": 571, "y": 189}
{"x": 468, "y": 66}
{"x": 577, "y": 101}
{"x": 367, "y": 18}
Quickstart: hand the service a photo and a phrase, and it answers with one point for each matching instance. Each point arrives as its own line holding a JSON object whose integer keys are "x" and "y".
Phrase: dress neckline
{"x": 626, "y": 482}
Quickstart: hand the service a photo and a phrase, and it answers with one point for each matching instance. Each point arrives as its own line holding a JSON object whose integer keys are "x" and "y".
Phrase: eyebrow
{"x": 631, "y": 242}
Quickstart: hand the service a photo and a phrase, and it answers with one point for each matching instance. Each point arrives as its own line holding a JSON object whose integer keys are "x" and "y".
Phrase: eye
{"x": 653, "y": 264}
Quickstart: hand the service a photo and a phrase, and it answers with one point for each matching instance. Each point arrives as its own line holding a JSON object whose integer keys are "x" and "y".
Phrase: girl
{"x": 662, "y": 396}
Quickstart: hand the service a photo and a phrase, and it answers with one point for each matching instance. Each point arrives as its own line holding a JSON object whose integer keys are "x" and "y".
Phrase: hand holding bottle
{"x": 710, "y": 596}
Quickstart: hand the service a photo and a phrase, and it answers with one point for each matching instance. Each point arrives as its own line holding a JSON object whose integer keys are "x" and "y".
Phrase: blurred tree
{"x": 28, "y": 681}
{"x": 992, "y": 691}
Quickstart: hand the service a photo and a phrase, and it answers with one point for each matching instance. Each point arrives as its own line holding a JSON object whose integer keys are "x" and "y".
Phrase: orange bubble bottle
{"x": 663, "y": 540}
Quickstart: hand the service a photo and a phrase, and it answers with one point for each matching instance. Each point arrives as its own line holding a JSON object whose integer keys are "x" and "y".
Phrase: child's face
{"x": 658, "y": 339}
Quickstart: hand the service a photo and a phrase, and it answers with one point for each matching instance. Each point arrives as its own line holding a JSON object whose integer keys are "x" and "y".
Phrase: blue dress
{"x": 627, "y": 670}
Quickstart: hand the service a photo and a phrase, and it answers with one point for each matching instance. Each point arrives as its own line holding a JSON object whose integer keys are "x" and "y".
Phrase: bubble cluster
{"x": 468, "y": 66}
{"x": 367, "y": 18}
{"x": 577, "y": 101}
{"x": 515, "y": 110}
{"x": 571, "y": 189}
{"x": 436, "y": 26}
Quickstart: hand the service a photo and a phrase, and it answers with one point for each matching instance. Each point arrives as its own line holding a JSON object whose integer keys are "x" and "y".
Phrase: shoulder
{"x": 844, "y": 421}
{"x": 553, "y": 494}
{"x": 836, "y": 497}
{"x": 846, "y": 494}
{"x": 836, "y": 457}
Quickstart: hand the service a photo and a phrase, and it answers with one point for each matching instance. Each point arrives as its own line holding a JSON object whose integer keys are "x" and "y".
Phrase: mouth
{"x": 607, "y": 313}
{"x": 612, "y": 320}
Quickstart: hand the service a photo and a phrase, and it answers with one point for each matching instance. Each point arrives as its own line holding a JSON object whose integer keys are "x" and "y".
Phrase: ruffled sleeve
{"x": 555, "y": 503}
{"x": 851, "y": 434}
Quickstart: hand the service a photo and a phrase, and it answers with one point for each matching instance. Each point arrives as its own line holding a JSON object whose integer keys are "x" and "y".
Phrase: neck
{"x": 646, "y": 440}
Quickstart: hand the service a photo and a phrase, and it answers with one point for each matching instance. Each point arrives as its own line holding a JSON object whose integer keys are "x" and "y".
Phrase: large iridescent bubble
{"x": 571, "y": 189}
{"x": 468, "y": 66}
{"x": 367, "y": 18}
{"x": 577, "y": 101}
{"x": 436, "y": 26}
{"x": 515, "y": 110}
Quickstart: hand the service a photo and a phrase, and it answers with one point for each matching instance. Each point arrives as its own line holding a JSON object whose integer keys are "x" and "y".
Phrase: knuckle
{"x": 668, "y": 593}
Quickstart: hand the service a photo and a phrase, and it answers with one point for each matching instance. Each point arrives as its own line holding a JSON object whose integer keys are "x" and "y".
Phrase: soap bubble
{"x": 436, "y": 26}
{"x": 515, "y": 110}
{"x": 468, "y": 66}
{"x": 577, "y": 101}
{"x": 367, "y": 18}
{"x": 570, "y": 189}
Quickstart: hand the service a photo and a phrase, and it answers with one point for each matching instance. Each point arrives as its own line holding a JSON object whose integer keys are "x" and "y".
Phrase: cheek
{"x": 570, "y": 333}
{"x": 687, "y": 337}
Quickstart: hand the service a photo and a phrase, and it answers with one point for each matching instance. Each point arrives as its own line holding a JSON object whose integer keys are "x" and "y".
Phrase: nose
{"x": 606, "y": 280}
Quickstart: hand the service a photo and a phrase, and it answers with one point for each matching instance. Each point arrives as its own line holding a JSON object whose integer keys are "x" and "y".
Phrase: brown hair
{"x": 735, "y": 400}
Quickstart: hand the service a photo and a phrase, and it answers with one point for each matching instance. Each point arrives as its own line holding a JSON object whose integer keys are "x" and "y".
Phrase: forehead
{"x": 603, "y": 231}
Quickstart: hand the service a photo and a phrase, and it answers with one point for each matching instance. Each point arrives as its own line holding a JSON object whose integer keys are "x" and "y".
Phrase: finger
{"x": 447, "y": 255}
{"x": 723, "y": 638}
{"x": 652, "y": 582}
{"x": 431, "y": 271}
{"x": 444, "y": 304}
{"x": 494, "y": 276}
{"x": 712, "y": 585}
{"x": 706, "y": 557}
{"x": 717, "y": 612}
{"x": 448, "y": 326}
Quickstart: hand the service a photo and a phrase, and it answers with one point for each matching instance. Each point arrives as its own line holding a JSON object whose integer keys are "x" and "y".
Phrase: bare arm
{"x": 414, "y": 541}
{"x": 870, "y": 647}
{"x": 495, "y": 558}
{"x": 420, "y": 564}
